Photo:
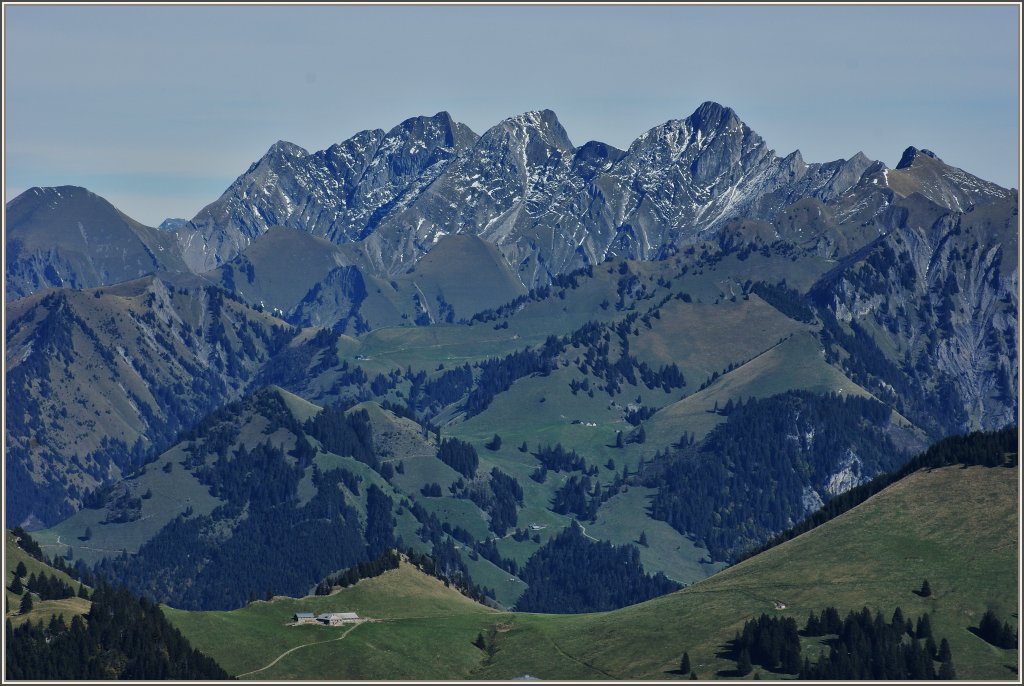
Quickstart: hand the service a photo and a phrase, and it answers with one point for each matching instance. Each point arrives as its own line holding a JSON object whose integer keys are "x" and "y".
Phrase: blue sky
{"x": 159, "y": 109}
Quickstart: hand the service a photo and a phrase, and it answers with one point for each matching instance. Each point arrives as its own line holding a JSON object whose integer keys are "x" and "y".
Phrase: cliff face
{"x": 938, "y": 294}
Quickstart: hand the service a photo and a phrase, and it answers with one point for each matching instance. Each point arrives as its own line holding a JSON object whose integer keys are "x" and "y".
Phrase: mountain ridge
{"x": 549, "y": 207}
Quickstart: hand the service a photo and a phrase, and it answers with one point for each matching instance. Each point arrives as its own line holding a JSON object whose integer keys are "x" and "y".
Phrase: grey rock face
{"x": 340, "y": 193}
{"x": 333, "y": 302}
{"x": 550, "y": 207}
{"x": 939, "y": 290}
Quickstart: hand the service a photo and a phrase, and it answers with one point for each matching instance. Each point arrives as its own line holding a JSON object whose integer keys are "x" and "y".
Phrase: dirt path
{"x": 577, "y": 660}
{"x": 584, "y": 530}
{"x": 304, "y": 645}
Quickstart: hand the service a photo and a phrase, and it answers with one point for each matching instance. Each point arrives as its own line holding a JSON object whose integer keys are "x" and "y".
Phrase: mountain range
{"x": 460, "y": 344}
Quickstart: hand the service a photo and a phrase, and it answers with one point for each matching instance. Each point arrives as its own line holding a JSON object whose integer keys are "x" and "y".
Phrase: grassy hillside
{"x": 260, "y": 275}
{"x": 42, "y": 609}
{"x": 461, "y": 276}
{"x": 956, "y": 527}
{"x": 794, "y": 363}
{"x": 418, "y": 629}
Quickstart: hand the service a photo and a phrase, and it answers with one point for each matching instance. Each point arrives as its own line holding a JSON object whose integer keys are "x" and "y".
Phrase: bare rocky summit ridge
{"x": 549, "y": 206}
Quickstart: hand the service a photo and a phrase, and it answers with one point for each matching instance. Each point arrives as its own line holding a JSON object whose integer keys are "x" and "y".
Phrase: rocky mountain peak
{"x": 542, "y": 124}
{"x": 860, "y": 159}
{"x": 710, "y": 116}
{"x": 911, "y": 154}
{"x": 284, "y": 149}
{"x": 440, "y": 128}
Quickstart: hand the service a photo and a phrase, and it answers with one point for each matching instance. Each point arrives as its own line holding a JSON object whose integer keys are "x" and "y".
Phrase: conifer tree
{"x": 924, "y": 627}
{"x": 16, "y": 586}
{"x": 1007, "y": 637}
{"x": 743, "y": 664}
{"x": 946, "y": 671}
{"x": 899, "y": 623}
{"x": 684, "y": 665}
{"x": 926, "y": 589}
{"x": 945, "y": 654}
{"x": 20, "y": 570}
{"x": 26, "y": 603}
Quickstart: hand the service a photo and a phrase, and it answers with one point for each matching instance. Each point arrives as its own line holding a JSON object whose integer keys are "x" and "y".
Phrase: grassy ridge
{"x": 42, "y": 610}
{"x": 251, "y": 637}
{"x": 956, "y": 527}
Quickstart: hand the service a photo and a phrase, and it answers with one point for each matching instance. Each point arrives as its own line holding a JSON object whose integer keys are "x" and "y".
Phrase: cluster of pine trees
{"x": 345, "y": 433}
{"x": 249, "y": 549}
{"x": 43, "y": 585}
{"x": 572, "y": 574}
{"x": 697, "y": 486}
{"x": 868, "y": 647}
{"x": 772, "y": 642}
{"x": 430, "y": 395}
{"x": 786, "y": 300}
{"x": 558, "y": 459}
{"x": 122, "y": 637}
{"x": 1000, "y": 635}
{"x": 390, "y": 559}
{"x": 577, "y": 497}
{"x": 500, "y": 499}
{"x": 498, "y": 375}
{"x": 459, "y": 455}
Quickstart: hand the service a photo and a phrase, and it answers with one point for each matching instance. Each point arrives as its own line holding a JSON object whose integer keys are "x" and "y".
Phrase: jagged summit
{"x": 286, "y": 149}
{"x": 544, "y": 123}
{"x": 912, "y": 153}
{"x": 441, "y": 125}
{"x": 711, "y": 116}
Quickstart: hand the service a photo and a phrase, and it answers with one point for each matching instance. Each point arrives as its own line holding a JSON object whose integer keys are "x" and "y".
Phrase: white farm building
{"x": 337, "y": 618}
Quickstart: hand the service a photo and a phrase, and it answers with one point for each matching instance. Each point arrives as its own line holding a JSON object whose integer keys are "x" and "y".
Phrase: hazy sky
{"x": 159, "y": 109}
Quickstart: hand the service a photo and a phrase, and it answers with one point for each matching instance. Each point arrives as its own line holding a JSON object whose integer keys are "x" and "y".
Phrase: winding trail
{"x": 584, "y": 529}
{"x": 304, "y": 645}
